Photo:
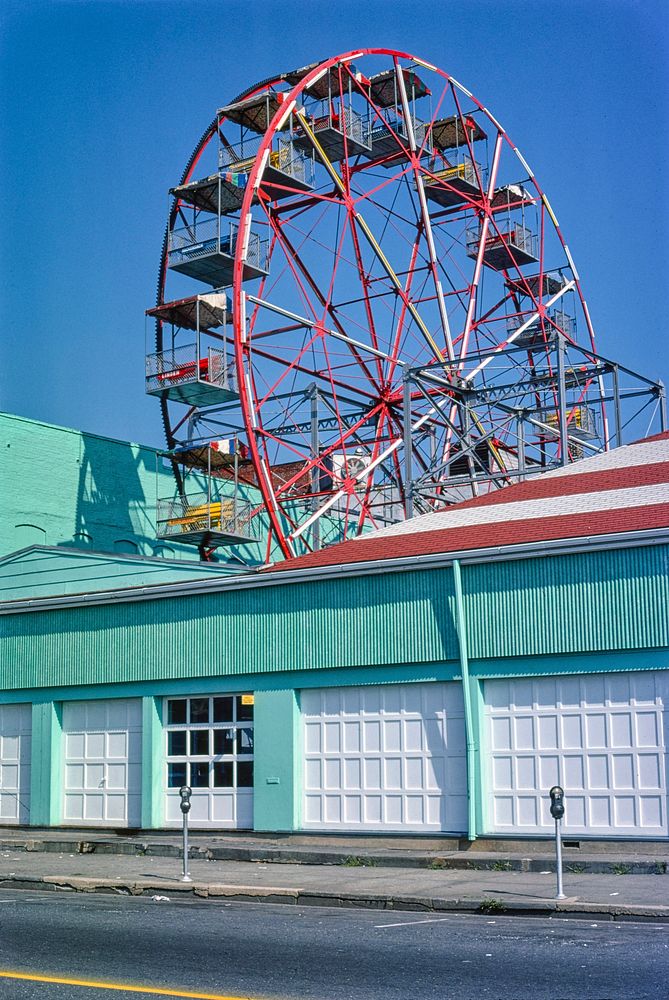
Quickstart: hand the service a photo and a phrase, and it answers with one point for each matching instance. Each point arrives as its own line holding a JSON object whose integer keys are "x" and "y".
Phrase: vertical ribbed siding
{"x": 587, "y": 602}
{"x": 365, "y": 621}
{"x": 594, "y": 602}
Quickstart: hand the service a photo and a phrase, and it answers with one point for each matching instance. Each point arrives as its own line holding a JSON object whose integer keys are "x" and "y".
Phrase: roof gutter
{"x": 468, "y": 557}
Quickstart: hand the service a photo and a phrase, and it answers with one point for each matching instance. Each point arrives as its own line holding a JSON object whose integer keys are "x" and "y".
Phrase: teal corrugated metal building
{"x": 441, "y": 693}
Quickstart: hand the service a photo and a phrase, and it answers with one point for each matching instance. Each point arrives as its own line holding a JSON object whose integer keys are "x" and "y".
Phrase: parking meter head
{"x": 557, "y": 802}
{"x": 185, "y": 792}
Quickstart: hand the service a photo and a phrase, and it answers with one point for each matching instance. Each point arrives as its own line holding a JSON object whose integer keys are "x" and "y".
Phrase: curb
{"x": 306, "y": 856}
{"x": 484, "y": 906}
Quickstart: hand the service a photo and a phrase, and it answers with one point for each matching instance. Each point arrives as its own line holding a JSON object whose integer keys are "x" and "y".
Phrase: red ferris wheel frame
{"x": 452, "y": 351}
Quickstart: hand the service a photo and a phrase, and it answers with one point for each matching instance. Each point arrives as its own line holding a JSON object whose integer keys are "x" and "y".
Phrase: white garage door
{"x": 103, "y": 747}
{"x": 15, "y": 733}
{"x": 602, "y": 737}
{"x": 386, "y": 757}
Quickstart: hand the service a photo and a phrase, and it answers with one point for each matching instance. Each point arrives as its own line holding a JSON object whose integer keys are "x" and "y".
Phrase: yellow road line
{"x": 33, "y": 977}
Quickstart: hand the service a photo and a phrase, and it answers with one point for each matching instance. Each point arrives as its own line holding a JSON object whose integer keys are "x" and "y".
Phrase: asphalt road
{"x": 263, "y": 951}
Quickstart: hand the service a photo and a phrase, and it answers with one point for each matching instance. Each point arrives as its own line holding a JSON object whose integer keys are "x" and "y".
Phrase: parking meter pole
{"x": 558, "y": 860}
{"x": 557, "y": 812}
{"x": 186, "y": 875}
{"x": 185, "y": 792}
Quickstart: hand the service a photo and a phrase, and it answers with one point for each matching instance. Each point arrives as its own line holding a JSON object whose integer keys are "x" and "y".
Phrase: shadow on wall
{"x": 114, "y": 502}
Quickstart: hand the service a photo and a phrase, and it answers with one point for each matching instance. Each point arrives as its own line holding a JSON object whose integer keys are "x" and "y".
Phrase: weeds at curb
{"x": 501, "y": 866}
{"x": 576, "y": 869}
{"x": 438, "y": 864}
{"x": 353, "y": 861}
{"x": 622, "y": 869}
{"x": 491, "y": 906}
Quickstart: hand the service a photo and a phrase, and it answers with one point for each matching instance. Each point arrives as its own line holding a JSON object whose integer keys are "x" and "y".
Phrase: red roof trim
{"x": 483, "y": 536}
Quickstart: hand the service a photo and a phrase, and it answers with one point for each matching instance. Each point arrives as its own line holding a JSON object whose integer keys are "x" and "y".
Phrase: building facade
{"x": 437, "y": 677}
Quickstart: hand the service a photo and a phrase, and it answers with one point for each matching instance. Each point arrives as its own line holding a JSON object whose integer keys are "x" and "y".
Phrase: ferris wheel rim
{"x": 250, "y": 418}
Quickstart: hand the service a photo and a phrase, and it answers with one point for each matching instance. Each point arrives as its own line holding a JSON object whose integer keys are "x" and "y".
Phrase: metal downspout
{"x": 466, "y": 694}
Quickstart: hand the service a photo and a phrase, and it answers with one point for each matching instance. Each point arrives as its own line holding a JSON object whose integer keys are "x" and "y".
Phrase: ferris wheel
{"x": 366, "y": 310}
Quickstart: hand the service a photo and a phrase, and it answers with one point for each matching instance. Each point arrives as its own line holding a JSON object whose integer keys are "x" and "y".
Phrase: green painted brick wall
{"x": 61, "y": 485}
{"x": 66, "y": 487}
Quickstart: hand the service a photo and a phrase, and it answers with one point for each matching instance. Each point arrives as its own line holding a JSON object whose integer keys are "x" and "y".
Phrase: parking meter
{"x": 557, "y": 812}
{"x": 557, "y": 802}
{"x": 185, "y": 793}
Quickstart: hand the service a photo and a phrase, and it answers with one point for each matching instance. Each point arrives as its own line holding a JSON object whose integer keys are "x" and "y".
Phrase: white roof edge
{"x": 501, "y": 553}
{"x": 130, "y": 557}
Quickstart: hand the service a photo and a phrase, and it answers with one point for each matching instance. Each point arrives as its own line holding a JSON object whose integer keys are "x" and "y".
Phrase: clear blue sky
{"x": 101, "y": 104}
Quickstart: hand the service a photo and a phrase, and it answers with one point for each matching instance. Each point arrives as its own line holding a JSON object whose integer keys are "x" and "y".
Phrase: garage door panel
{"x": 74, "y": 807}
{"x": 455, "y": 733}
{"x": 353, "y": 809}
{"x": 392, "y": 735}
{"x": 621, "y": 729}
{"x": 595, "y": 730}
{"x": 94, "y": 776}
{"x": 313, "y": 737}
{"x": 115, "y": 806}
{"x": 372, "y": 772}
{"x": 312, "y": 774}
{"x": 647, "y": 726}
{"x": 397, "y": 762}
{"x": 331, "y": 737}
{"x": 650, "y": 810}
{"x": 413, "y": 773}
{"x": 11, "y": 747}
{"x": 526, "y": 773}
{"x": 352, "y": 737}
{"x": 117, "y": 744}
{"x": 371, "y": 736}
{"x": 95, "y": 745}
{"x": 15, "y": 749}
{"x": 603, "y": 739}
{"x": 572, "y": 731}
{"x": 75, "y": 745}
{"x": 352, "y": 773}
{"x": 574, "y": 772}
{"x": 649, "y": 770}
{"x": 94, "y": 807}
{"x": 619, "y": 690}
{"x": 96, "y": 715}
{"x": 102, "y": 780}
{"x": 569, "y": 692}
{"x": 312, "y": 809}
{"x": 117, "y": 776}
{"x": 524, "y": 737}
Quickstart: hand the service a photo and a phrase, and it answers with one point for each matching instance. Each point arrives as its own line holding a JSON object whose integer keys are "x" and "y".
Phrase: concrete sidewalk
{"x": 586, "y": 857}
{"x": 358, "y": 882}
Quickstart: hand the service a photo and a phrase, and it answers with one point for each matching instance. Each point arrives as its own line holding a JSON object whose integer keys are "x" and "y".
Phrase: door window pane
{"x": 199, "y": 710}
{"x": 176, "y": 712}
{"x": 245, "y": 741}
{"x": 224, "y": 741}
{"x": 199, "y": 742}
{"x": 223, "y": 710}
{"x": 222, "y": 774}
{"x": 176, "y": 775}
{"x": 245, "y": 774}
{"x": 244, "y": 712}
{"x": 176, "y": 743}
{"x": 199, "y": 775}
